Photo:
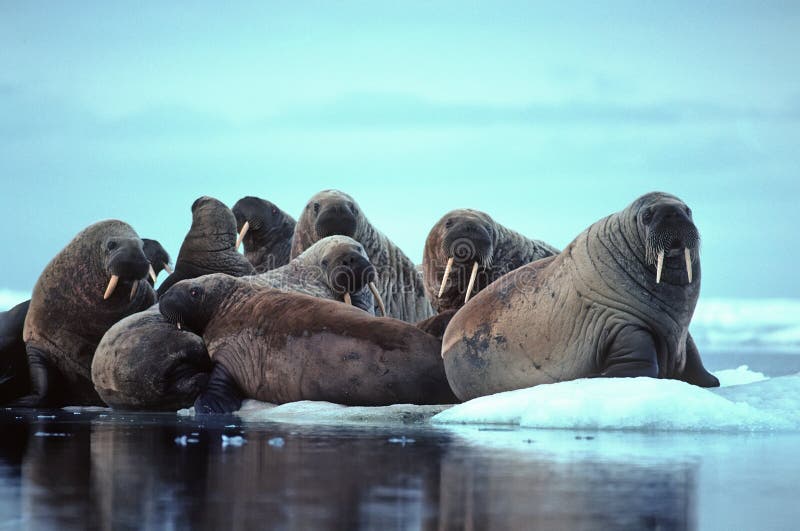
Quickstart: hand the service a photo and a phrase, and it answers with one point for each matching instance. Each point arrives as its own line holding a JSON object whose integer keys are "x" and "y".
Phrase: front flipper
{"x": 42, "y": 375}
{"x": 694, "y": 372}
{"x": 632, "y": 353}
{"x": 222, "y": 395}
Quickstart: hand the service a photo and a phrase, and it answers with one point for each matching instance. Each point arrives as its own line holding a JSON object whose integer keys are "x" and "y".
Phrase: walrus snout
{"x": 126, "y": 261}
{"x": 337, "y": 218}
{"x": 350, "y": 273}
{"x": 670, "y": 233}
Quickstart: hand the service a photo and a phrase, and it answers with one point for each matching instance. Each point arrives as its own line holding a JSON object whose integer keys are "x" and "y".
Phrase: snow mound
{"x": 307, "y": 411}
{"x": 752, "y": 324}
{"x": 638, "y": 404}
{"x": 739, "y": 376}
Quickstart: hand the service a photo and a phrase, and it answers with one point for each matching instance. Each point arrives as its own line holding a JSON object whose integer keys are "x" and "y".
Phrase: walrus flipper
{"x": 632, "y": 353}
{"x": 42, "y": 375}
{"x": 694, "y": 372}
{"x": 222, "y": 395}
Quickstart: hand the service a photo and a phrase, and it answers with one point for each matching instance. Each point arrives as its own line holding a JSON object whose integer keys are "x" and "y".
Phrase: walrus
{"x": 158, "y": 258}
{"x": 209, "y": 246}
{"x": 266, "y": 232}
{"x": 145, "y": 362}
{"x": 282, "y": 347}
{"x": 95, "y": 281}
{"x": 616, "y": 302}
{"x": 335, "y": 267}
{"x": 399, "y": 282}
{"x": 467, "y": 250}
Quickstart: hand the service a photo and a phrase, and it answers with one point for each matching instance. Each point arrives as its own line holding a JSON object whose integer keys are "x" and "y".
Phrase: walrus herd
{"x": 329, "y": 308}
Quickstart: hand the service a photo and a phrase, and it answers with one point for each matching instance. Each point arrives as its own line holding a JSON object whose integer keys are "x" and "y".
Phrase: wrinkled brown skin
{"x": 283, "y": 347}
{"x": 144, "y": 362}
{"x": 209, "y": 246}
{"x": 589, "y": 311}
{"x": 509, "y": 250}
{"x": 308, "y": 272}
{"x": 399, "y": 282}
{"x": 68, "y": 316}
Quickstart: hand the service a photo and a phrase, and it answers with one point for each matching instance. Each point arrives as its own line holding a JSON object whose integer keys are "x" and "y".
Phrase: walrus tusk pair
{"x": 244, "y": 230}
{"x": 472, "y": 277}
{"x": 374, "y": 289}
{"x": 112, "y": 285}
{"x": 687, "y": 255}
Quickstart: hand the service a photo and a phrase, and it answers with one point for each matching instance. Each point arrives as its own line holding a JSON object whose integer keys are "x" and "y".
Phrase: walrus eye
{"x": 647, "y": 216}
{"x": 448, "y": 223}
{"x": 111, "y": 245}
{"x": 688, "y": 211}
{"x": 316, "y": 208}
{"x": 195, "y": 292}
{"x": 324, "y": 263}
{"x": 274, "y": 211}
{"x": 353, "y": 209}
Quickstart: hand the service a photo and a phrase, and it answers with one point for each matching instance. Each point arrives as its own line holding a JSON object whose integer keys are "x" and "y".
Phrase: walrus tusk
{"x": 471, "y": 281}
{"x": 244, "y": 230}
{"x": 167, "y": 268}
{"x": 112, "y": 285}
{"x": 347, "y": 299}
{"x": 152, "y": 273}
{"x": 659, "y": 266}
{"x": 179, "y": 325}
{"x": 447, "y": 269}
{"x": 374, "y": 289}
{"x": 133, "y": 289}
{"x": 688, "y": 254}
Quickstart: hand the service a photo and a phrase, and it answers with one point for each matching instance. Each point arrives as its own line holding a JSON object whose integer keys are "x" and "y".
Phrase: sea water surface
{"x": 547, "y": 458}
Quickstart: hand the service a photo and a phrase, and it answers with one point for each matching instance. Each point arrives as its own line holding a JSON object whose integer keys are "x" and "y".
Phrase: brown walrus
{"x": 209, "y": 246}
{"x": 266, "y": 232}
{"x": 95, "y": 281}
{"x": 467, "y": 250}
{"x": 616, "y": 302}
{"x": 399, "y": 282}
{"x": 145, "y": 362}
{"x": 283, "y": 347}
{"x": 336, "y": 268}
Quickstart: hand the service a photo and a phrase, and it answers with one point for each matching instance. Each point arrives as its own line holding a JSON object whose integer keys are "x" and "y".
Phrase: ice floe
{"x": 751, "y": 324}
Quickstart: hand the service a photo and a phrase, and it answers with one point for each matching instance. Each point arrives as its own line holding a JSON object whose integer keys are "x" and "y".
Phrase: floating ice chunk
{"x": 725, "y": 324}
{"x": 187, "y": 412}
{"x": 638, "y": 404}
{"x": 183, "y": 440}
{"x": 307, "y": 411}
{"x": 402, "y": 441}
{"x": 276, "y": 442}
{"x": 738, "y": 376}
{"x": 47, "y": 434}
{"x": 236, "y": 440}
{"x": 45, "y": 416}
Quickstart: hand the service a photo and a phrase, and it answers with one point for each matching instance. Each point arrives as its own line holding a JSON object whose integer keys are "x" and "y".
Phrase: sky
{"x": 546, "y": 116}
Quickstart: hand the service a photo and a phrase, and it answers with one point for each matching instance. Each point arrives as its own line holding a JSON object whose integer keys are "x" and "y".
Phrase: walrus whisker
{"x": 374, "y": 289}
{"x": 347, "y": 299}
{"x": 152, "y": 273}
{"x": 134, "y": 287}
{"x": 688, "y": 255}
{"x": 112, "y": 285}
{"x": 167, "y": 268}
{"x": 242, "y": 232}
{"x": 447, "y": 269}
{"x": 659, "y": 266}
{"x": 471, "y": 281}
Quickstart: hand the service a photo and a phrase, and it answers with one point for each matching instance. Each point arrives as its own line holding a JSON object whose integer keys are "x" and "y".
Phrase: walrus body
{"x": 209, "y": 246}
{"x": 283, "y": 347}
{"x": 335, "y": 268}
{"x": 596, "y": 309}
{"x": 266, "y": 232}
{"x": 145, "y": 362}
{"x": 14, "y": 378}
{"x": 399, "y": 282}
{"x": 467, "y": 240}
{"x": 69, "y": 311}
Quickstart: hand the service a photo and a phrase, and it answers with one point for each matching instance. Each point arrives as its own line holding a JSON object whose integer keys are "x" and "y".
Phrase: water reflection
{"x": 110, "y": 471}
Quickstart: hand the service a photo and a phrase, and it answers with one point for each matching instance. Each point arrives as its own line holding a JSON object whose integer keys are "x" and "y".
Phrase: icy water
{"x": 68, "y": 469}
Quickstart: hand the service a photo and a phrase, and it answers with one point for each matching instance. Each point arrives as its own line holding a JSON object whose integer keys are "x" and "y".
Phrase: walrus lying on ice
{"x": 616, "y": 302}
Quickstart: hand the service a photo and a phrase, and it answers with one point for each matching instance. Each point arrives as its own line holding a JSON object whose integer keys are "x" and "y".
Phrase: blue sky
{"x": 546, "y": 116}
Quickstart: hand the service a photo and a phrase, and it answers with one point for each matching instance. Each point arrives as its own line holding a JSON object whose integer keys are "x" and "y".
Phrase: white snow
{"x": 752, "y": 324}
{"x": 639, "y": 404}
{"x": 307, "y": 411}
{"x": 739, "y": 376}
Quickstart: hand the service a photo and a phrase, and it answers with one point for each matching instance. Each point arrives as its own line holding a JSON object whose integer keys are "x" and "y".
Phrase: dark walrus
{"x": 266, "y": 232}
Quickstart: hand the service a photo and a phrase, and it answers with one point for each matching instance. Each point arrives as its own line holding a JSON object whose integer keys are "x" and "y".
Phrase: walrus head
{"x": 466, "y": 237}
{"x": 158, "y": 258}
{"x": 144, "y": 362}
{"x": 333, "y": 212}
{"x": 260, "y": 222}
{"x": 124, "y": 261}
{"x": 190, "y": 304}
{"x": 349, "y": 272}
{"x": 213, "y": 221}
{"x": 668, "y": 233}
